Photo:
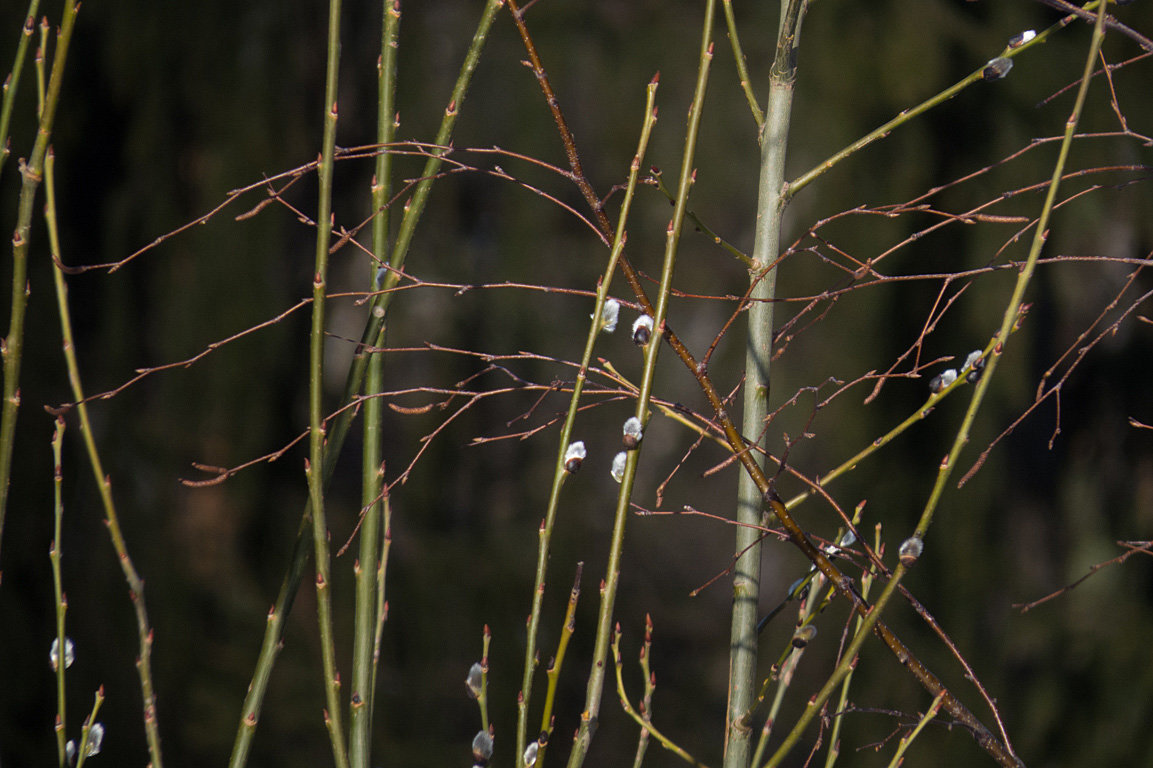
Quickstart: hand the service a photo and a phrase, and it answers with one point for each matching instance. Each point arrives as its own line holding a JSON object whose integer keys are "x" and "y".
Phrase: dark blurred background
{"x": 168, "y": 106}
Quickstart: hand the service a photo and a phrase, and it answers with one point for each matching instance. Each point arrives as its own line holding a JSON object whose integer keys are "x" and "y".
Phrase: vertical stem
{"x": 367, "y": 568}
{"x": 13, "y": 82}
{"x": 103, "y": 481}
{"x": 12, "y": 347}
{"x": 1003, "y": 753}
{"x": 758, "y": 354}
{"x": 870, "y": 621}
{"x": 416, "y": 204}
{"x": 745, "y": 457}
{"x": 315, "y": 464}
{"x": 58, "y": 590}
{"x": 560, "y": 473}
{"x": 372, "y": 334}
{"x": 672, "y": 240}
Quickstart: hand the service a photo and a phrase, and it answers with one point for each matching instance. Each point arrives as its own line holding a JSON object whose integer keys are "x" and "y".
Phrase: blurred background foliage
{"x": 168, "y": 106}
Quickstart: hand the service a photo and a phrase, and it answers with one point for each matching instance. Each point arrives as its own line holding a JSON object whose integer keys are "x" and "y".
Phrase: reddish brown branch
{"x": 1134, "y": 547}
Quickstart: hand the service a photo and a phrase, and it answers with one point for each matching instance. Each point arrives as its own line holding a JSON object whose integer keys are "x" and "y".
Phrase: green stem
{"x": 559, "y": 470}
{"x": 650, "y": 682}
{"x": 482, "y": 698}
{"x": 742, "y": 66}
{"x": 370, "y": 338}
{"x": 652, "y": 349}
{"x": 1024, "y": 277}
{"x": 905, "y": 116}
{"x": 38, "y": 59}
{"x": 61, "y": 602}
{"x": 368, "y": 569}
{"x": 758, "y": 355}
{"x": 1008, "y": 319}
{"x": 920, "y": 414}
{"x": 12, "y": 347}
{"x": 103, "y": 481}
{"x": 381, "y": 603}
{"x": 645, "y": 722}
{"x": 12, "y": 83}
{"x": 704, "y": 228}
{"x": 415, "y": 205}
{"x": 86, "y": 729}
{"x": 835, "y": 730}
{"x": 554, "y": 670}
{"x": 903, "y": 746}
{"x": 740, "y": 451}
{"x": 314, "y": 468}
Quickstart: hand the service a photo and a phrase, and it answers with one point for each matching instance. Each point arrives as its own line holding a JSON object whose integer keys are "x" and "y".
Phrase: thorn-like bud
{"x": 1018, "y": 40}
{"x": 942, "y": 380}
{"x": 482, "y": 748}
{"x": 633, "y": 433}
{"x": 804, "y": 635}
{"x": 574, "y": 455}
{"x": 642, "y": 330}
{"x": 997, "y": 68}
{"x": 610, "y": 313}
{"x": 618, "y": 468}
{"x": 473, "y": 681}
{"x": 910, "y": 550}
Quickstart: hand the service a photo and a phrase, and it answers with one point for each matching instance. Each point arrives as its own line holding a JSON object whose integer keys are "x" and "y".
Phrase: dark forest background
{"x": 167, "y": 106}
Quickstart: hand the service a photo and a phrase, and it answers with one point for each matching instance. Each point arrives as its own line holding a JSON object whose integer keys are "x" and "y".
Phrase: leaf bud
{"x": 974, "y": 364}
{"x": 642, "y": 330}
{"x": 610, "y": 313}
{"x": 54, "y": 653}
{"x": 1020, "y": 39}
{"x": 474, "y": 680}
{"x": 942, "y": 380}
{"x": 997, "y": 68}
{"x": 633, "y": 433}
{"x": 618, "y": 468}
{"x": 574, "y": 455}
{"x": 482, "y": 747}
{"x": 804, "y": 635}
{"x": 910, "y": 550}
{"x": 95, "y": 739}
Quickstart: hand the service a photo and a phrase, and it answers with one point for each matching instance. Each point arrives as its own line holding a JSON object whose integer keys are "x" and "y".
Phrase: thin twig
{"x": 1135, "y": 547}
